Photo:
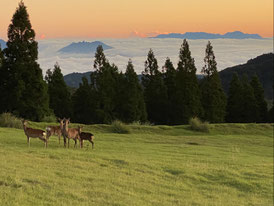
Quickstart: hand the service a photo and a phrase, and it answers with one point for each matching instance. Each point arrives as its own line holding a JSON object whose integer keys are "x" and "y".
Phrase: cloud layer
{"x": 228, "y": 52}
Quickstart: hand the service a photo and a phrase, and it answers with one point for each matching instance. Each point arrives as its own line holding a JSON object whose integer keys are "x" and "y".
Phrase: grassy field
{"x": 153, "y": 165}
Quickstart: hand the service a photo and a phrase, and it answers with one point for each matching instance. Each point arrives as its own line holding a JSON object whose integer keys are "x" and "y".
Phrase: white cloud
{"x": 228, "y": 52}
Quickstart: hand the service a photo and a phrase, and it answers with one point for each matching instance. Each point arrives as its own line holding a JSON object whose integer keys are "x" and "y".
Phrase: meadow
{"x": 151, "y": 165}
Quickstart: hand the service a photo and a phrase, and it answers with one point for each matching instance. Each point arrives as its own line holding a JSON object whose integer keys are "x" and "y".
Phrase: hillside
{"x": 75, "y": 78}
{"x": 2, "y": 44}
{"x": 204, "y": 35}
{"x": 153, "y": 165}
{"x": 261, "y": 65}
{"x": 83, "y": 47}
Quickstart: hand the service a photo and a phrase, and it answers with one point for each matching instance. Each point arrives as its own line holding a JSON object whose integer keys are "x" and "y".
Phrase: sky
{"x": 140, "y": 18}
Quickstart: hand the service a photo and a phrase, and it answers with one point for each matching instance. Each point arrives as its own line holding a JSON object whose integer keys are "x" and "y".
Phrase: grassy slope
{"x": 154, "y": 165}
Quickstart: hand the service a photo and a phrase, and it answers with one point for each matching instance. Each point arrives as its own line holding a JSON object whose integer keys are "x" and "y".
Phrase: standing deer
{"x": 85, "y": 136}
{"x": 70, "y": 133}
{"x": 55, "y": 130}
{"x": 34, "y": 133}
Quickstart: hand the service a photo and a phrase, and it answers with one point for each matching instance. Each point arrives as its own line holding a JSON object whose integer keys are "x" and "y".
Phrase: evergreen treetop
{"x": 151, "y": 64}
{"x": 210, "y": 66}
{"x": 21, "y": 45}
{"x": 100, "y": 58}
{"x": 186, "y": 62}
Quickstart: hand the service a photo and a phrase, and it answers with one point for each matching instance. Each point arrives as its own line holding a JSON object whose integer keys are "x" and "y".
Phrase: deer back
{"x": 30, "y": 132}
{"x": 86, "y": 136}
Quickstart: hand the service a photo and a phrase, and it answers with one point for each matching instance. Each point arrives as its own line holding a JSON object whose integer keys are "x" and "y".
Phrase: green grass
{"x": 153, "y": 165}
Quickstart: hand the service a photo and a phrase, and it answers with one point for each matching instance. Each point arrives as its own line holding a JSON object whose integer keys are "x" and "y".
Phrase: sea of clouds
{"x": 228, "y": 52}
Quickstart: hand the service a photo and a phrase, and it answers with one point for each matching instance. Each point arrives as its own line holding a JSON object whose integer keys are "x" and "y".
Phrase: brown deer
{"x": 34, "y": 133}
{"x": 85, "y": 136}
{"x": 55, "y": 130}
{"x": 70, "y": 133}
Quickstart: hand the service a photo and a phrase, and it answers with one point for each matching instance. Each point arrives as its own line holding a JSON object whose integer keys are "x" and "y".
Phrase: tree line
{"x": 168, "y": 95}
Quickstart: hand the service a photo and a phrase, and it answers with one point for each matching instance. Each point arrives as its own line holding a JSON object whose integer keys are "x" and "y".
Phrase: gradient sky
{"x": 130, "y": 18}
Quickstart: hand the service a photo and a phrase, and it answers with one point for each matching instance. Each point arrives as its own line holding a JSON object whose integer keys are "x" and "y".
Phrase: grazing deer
{"x": 70, "y": 133}
{"x": 34, "y": 133}
{"x": 55, "y": 130}
{"x": 85, "y": 136}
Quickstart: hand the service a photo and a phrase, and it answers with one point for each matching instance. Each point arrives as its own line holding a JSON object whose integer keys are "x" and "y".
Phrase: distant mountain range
{"x": 2, "y": 44}
{"x": 261, "y": 65}
{"x": 204, "y": 35}
{"x": 83, "y": 47}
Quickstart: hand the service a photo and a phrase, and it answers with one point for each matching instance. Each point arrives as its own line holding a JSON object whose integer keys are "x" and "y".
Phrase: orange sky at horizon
{"x": 142, "y": 18}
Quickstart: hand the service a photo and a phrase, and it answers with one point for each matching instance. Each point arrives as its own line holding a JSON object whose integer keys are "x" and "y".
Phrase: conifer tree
{"x": 84, "y": 104}
{"x": 26, "y": 91}
{"x": 133, "y": 99}
{"x": 188, "y": 97}
{"x": 59, "y": 96}
{"x": 104, "y": 81}
{"x": 155, "y": 91}
{"x": 169, "y": 77}
{"x": 234, "y": 101}
{"x": 2, "y": 82}
{"x": 260, "y": 101}
{"x": 250, "y": 109}
{"x": 213, "y": 97}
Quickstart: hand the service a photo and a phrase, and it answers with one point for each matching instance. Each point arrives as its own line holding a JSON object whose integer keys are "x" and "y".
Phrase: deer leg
{"x": 68, "y": 142}
{"x": 59, "y": 139}
{"x": 91, "y": 141}
{"x": 28, "y": 140}
{"x": 75, "y": 142}
{"x": 80, "y": 143}
{"x": 65, "y": 141}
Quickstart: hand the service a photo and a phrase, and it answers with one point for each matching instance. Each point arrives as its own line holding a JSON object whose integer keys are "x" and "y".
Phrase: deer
{"x": 34, "y": 133}
{"x": 85, "y": 136}
{"x": 55, "y": 130}
{"x": 70, "y": 133}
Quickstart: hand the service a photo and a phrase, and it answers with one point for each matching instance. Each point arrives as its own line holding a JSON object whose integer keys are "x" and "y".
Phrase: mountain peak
{"x": 83, "y": 47}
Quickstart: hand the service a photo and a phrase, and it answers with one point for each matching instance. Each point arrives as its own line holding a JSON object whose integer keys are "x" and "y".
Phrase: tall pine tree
{"x": 234, "y": 101}
{"x": 188, "y": 97}
{"x": 213, "y": 97}
{"x": 259, "y": 96}
{"x": 59, "y": 96}
{"x": 130, "y": 105}
{"x": 104, "y": 81}
{"x": 155, "y": 91}
{"x": 25, "y": 90}
{"x": 169, "y": 76}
